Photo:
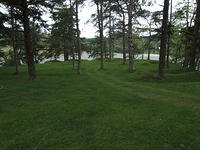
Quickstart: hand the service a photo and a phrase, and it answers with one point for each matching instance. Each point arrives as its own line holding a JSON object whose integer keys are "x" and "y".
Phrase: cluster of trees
{"x": 22, "y": 15}
{"x": 175, "y": 33}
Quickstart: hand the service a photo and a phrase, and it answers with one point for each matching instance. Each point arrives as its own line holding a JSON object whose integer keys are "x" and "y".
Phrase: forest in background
{"x": 174, "y": 34}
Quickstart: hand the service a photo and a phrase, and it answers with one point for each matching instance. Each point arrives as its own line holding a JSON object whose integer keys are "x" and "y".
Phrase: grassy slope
{"x": 99, "y": 110}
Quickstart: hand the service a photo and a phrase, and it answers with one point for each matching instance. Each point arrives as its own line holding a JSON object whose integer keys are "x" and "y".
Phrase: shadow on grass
{"x": 178, "y": 75}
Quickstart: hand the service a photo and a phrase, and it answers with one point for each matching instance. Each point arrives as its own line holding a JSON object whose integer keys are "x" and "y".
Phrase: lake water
{"x": 86, "y": 56}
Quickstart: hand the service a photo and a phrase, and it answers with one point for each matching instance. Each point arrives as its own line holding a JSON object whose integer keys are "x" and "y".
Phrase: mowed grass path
{"x": 109, "y": 109}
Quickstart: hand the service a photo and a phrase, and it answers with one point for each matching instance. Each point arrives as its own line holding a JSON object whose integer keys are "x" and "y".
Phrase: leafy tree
{"x": 62, "y": 34}
{"x": 184, "y": 16}
{"x": 122, "y": 12}
{"x": 29, "y": 9}
{"x": 195, "y": 40}
{"x": 8, "y": 33}
{"x": 99, "y": 4}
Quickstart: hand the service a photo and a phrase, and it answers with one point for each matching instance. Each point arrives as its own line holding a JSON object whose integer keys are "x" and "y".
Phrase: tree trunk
{"x": 124, "y": 39}
{"x": 13, "y": 42}
{"x": 110, "y": 32}
{"x": 177, "y": 54}
{"x": 78, "y": 41}
{"x": 28, "y": 42}
{"x": 187, "y": 48}
{"x": 149, "y": 49}
{"x": 113, "y": 37}
{"x": 100, "y": 23}
{"x": 101, "y": 34}
{"x": 73, "y": 60}
{"x": 187, "y": 55}
{"x": 66, "y": 55}
{"x": 74, "y": 42}
{"x": 169, "y": 36}
{"x": 106, "y": 55}
{"x": 130, "y": 35}
{"x": 195, "y": 37}
{"x": 168, "y": 51}
{"x": 163, "y": 42}
{"x": 187, "y": 13}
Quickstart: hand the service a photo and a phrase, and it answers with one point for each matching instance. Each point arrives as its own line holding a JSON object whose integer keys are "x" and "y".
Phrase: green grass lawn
{"x": 99, "y": 110}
